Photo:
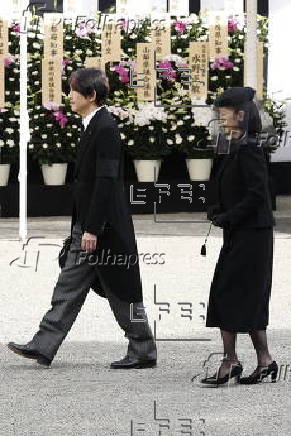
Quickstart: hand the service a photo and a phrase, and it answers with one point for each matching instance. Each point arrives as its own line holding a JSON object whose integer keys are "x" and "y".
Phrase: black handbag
{"x": 64, "y": 251}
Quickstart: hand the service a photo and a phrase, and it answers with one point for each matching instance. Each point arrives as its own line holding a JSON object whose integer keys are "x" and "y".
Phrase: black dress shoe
{"x": 131, "y": 363}
{"x": 27, "y": 351}
{"x": 260, "y": 373}
{"x": 235, "y": 372}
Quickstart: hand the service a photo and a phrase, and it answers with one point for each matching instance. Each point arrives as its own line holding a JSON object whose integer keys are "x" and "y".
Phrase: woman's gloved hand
{"x": 213, "y": 210}
{"x": 220, "y": 221}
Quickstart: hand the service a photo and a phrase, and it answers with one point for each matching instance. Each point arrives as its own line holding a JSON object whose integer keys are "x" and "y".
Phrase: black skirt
{"x": 241, "y": 286}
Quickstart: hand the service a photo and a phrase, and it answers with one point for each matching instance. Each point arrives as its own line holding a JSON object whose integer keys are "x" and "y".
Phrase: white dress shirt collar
{"x": 86, "y": 120}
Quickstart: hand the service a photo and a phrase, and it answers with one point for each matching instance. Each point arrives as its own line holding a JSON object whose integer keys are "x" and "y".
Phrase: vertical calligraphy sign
{"x": 110, "y": 44}
{"x": 260, "y": 70}
{"x": 3, "y": 53}
{"x": 52, "y": 61}
{"x": 94, "y": 62}
{"x": 199, "y": 64}
{"x": 146, "y": 71}
{"x": 161, "y": 38}
{"x": 218, "y": 35}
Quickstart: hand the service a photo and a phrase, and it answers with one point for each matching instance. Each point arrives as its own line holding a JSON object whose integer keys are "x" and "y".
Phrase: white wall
{"x": 279, "y": 66}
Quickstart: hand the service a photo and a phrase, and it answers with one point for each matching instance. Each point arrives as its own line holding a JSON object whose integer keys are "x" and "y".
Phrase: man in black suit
{"x": 103, "y": 252}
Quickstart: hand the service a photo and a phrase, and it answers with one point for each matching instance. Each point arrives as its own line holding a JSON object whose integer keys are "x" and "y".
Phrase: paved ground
{"x": 80, "y": 395}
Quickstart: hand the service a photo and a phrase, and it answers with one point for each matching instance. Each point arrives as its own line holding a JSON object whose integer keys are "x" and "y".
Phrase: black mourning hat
{"x": 242, "y": 98}
{"x": 235, "y": 97}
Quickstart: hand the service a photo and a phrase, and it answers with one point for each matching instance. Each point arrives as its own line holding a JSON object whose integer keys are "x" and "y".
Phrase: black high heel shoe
{"x": 235, "y": 372}
{"x": 260, "y": 373}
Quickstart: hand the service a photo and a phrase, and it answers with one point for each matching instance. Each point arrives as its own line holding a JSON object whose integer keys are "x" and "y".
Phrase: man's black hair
{"x": 87, "y": 80}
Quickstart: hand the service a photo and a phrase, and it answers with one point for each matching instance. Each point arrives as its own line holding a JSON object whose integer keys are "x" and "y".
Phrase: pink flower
{"x": 82, "y": 31}
{"x": 63, "y": 121}
{"x": 123, "y": 73}
{"x": 66, "y": 61}
{"x": 9, "y": 60}
{"x": 170, "y": 74}
{"x": 180, "y": 26}
{"x": 60, "y": 117}
{"x": 222, "y": 62}
{"x": 51, "y": 106}
{"x": 15, "y": 28}
{"x": 232, "y": 25}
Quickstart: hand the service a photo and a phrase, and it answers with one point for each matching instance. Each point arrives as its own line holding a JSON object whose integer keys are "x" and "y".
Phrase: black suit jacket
{"x": 98, "y": 173}
{"x": 101, "y": 207}
{"x": 241, "y": 180}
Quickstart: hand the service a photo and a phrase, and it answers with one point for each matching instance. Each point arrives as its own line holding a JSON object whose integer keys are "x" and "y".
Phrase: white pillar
{"x": 251, "y": 45}
{"x": 24, "y": 126}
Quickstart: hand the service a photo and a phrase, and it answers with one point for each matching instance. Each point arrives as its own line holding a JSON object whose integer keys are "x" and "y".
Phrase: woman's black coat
{"x": 241, "y": 286}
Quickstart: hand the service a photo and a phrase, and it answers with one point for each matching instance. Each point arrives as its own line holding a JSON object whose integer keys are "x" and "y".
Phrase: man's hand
{"x": 89, "y": 242}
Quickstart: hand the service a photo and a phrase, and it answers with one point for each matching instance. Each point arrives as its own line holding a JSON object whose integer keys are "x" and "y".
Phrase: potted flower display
{"x": 54, "y": 135}
{"x": 9, "y": 142}
{"x": 146, "y": 144}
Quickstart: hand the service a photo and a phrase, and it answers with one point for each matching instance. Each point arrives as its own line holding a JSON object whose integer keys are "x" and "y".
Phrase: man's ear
{"x": 93, "y": 97}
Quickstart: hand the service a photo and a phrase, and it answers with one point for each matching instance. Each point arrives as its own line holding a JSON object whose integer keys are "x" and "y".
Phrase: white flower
{"x": 151, "y": 127}
{"x": 1, "y": 143}
{"x": 174, "y": 127}
{"x": 35, "y": 117}
{"x": 9, "y": 131}
{"x": 30, "y": 146}
{"x": 122, "y": 135}
{"x": 178, "y": 139}
{"x": 169, "y": 141}
{"x": 44, "y": 145}
{"x": 235, "y": 68}
{"x": 36, "y": 45}
{"x": 152, "y": 139}
{"x": 44, "y": 136}
{"x": 69, "y": 134}
{"x": 74, "y": 126}
{"x": 131, "y": 142}
{"x": 7, "y": 92}
{"x": 11, "y": 79}
{"x": 59, "y": 145}
{"x": 179, "y": 123}
{"x": 214, "y": 78}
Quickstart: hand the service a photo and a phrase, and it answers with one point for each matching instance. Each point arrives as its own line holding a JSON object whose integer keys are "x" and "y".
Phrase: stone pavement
{"x": 80, "y": 395}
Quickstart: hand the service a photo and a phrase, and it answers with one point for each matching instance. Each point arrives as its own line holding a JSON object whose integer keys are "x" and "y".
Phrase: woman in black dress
{"x": 241, "y": 286}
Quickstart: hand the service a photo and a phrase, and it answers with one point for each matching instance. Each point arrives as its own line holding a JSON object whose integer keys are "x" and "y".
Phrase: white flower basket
{"x": 54, "y": 174}
{"x": 4, "y": 174}
{"x": 145, "y": 169}
{"x": 199, "y": 169}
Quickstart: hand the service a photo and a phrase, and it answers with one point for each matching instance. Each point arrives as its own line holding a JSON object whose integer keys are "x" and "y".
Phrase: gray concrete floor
{"x": 80, "y": 395}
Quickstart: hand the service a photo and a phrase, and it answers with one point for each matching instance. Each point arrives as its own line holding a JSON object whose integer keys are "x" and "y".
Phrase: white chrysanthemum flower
{"x": 131, "y": 142}
{"x": 59, "y": 144}
{"x": 169, "y": 142}
{"x": 36, "y": 45}
{"x": 44, "y": 145}
{"x": 179, "y": 123}
{"x": 122, "y": 135}
{"x": 30, "y": 146}
{"x": 152, "y": 139}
